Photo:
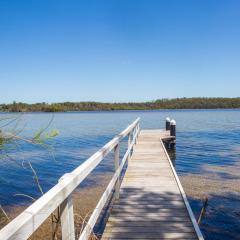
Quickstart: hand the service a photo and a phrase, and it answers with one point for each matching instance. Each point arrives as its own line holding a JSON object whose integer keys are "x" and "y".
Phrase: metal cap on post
{"x": 168, "y": 123}
{"x": 173, "y": 128}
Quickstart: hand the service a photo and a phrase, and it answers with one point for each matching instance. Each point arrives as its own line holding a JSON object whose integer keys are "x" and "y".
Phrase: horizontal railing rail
{"x": 60, "y": 195}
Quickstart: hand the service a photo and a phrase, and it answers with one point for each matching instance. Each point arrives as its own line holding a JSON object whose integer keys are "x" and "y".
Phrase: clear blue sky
{"x": 118, "y": 50}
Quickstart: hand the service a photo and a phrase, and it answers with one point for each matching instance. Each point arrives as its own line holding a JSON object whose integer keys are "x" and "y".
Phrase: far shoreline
{"x": 92, "y": 106}
{"x": 123, "y": 110}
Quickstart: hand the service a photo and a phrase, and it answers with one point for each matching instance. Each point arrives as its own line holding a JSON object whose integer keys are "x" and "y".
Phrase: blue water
{"x": 204, "y": 138}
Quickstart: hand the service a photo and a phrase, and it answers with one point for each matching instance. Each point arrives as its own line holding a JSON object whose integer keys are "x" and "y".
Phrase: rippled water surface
{"x": 207, "y": 157}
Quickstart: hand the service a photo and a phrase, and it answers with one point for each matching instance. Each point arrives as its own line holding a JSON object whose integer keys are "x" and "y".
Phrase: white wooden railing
{"x": 28, "y": 221}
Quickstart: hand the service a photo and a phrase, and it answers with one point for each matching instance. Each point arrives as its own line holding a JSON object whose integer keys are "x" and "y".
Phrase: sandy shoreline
{"x": 213, "y": 180}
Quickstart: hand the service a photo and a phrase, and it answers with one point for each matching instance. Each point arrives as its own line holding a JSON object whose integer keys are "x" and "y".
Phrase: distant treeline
{"x": 176, "y": 103}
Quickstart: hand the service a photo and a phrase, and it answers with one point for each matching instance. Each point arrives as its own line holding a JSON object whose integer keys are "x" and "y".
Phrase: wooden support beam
{"x": 67, "y": 219}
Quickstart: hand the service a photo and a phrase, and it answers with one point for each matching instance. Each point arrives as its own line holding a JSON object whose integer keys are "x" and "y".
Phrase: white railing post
{"x": 135, "y": 134}
{"x": 129, "y": 144}
{"x": 116, "y": 162}
{"x": 67, "y": 218}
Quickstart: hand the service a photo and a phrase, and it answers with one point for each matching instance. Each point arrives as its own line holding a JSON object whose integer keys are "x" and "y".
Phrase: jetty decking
{"x": 149, "y": 203}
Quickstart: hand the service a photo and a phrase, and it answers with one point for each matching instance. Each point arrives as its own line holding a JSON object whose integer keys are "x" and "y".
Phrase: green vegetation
{"x": 176, "y": 103}
{"x": 11, "y": 139}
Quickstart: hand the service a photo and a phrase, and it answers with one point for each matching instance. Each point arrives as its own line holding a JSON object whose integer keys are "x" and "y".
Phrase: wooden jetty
{"x": 149, "y": 202}
{"x": 152, "y": 203}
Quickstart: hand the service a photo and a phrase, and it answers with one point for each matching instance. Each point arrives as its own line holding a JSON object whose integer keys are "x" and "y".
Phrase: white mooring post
{"x": 173, "y": 128}
{"x": 116, "y": 162}
{"x": 67, "y": 217}
{"x": 168, "y": 123}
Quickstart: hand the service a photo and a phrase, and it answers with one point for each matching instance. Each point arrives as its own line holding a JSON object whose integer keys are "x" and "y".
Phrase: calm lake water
{"x": 207, "y": 157}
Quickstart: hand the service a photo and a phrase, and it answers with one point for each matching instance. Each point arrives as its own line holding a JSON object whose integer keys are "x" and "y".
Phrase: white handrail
{"x": 29, "y": 220}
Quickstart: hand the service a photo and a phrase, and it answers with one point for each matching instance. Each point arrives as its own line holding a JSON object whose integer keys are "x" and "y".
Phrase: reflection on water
{"x": 207, "y": 158}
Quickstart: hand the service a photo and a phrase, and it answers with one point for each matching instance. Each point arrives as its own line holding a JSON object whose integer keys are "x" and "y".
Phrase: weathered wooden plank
{"x": 141, "y": 238}
{"x": 164, "y": 211}
{"x": 149, "y": 197}
{"x": 136, "y": 177}
{"x": 148, "y": 202}
{"x": 139, "y": 156}
{"x": 149, "y": 223}
{"x": 144, "y": 157}
{"x": 146, "y": 218}
{"x": 154, "y": 168}
{"x": 153, "y": 215}
{"x": 154, "y": 162}
{"x": 154, "y": 145}
{"x": 149, "y": 148}
{"x": 152, "y": 235}
{"x": 149, "y": 180}
{"x": 147, "y": 174}
{"x": 149, "y": 171}
{"x": 150, "y": 190}
{"x": 149, "y": 229}
{"x": 157, "y": 224}
{"x": 155, "y": 187}
{"x": 147, "y": 165}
